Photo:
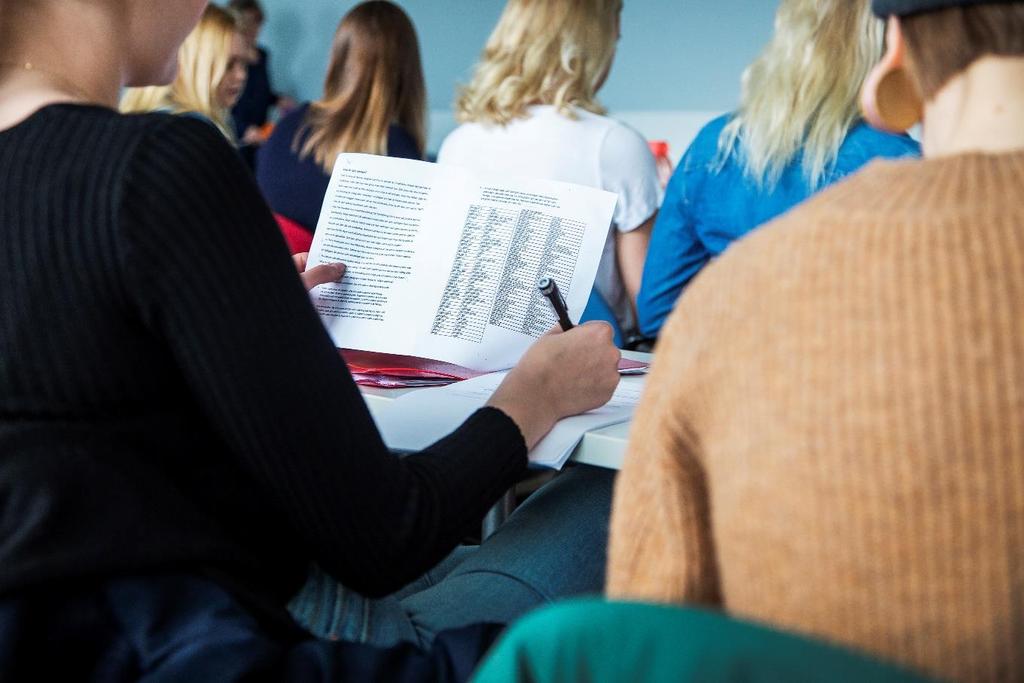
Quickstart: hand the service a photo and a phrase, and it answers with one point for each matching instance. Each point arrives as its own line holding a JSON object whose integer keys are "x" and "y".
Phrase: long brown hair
{"x": 374, "y": 79}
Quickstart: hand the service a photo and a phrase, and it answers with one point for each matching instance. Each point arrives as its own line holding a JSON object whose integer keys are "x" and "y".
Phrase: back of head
{"x": 374, "y": 79}
{"x": 246, "y": 7}
{"x": 801, "y": 95}
{"x": 250, "y": 17}
{"x": 202, "y": 62}
{"x": 944, "y": 42}
{"x": 554, "y": 52}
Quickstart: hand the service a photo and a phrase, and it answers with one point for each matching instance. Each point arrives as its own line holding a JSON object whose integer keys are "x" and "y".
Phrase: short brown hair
{"x": 942, "y": 43}
{"x": 247, "y": 6}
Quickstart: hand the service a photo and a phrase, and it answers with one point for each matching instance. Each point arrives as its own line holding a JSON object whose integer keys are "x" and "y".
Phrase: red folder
{"x": 392, "y": 371}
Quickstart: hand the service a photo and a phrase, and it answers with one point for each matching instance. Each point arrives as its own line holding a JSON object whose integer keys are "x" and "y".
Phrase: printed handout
{"x": 443, "y": 263}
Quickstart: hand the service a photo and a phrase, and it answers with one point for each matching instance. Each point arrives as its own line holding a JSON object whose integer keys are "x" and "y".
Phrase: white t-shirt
{"x": 591, "y": 150}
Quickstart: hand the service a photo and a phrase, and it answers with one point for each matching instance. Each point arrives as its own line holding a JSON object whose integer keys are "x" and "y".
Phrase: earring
{"x": 890, "y": 101}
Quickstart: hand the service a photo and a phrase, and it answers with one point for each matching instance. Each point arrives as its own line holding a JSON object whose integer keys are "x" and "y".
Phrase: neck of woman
{"x": 54, "y": 52}
{"x": 979, "y": 110}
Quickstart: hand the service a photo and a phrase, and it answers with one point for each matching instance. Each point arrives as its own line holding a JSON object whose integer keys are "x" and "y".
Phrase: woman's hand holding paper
{"x": 318, "y": 275}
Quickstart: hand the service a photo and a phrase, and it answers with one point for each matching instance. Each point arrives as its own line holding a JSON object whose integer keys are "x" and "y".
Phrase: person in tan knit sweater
{"x": 832, "y": 437}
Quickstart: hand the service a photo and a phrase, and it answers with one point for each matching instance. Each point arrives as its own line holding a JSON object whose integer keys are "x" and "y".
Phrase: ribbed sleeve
{"x": 243, "y": 437}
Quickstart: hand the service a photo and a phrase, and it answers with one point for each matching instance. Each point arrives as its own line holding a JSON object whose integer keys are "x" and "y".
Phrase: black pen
{"x": 549, "y": 288}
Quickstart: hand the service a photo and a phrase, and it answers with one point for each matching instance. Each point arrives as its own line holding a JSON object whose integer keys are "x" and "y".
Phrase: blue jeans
{"x": 553, "y": 546}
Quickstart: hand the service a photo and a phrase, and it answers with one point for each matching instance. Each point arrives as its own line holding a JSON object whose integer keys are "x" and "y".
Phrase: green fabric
{"x": 596, "y": 641}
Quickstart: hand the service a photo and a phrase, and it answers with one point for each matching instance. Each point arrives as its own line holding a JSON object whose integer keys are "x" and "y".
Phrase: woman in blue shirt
{"x": 797, "y": 130}
{"x": 374, "y": 102}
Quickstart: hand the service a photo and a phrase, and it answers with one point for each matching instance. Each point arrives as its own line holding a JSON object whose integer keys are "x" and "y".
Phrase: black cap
{"x": 885, "y": 8}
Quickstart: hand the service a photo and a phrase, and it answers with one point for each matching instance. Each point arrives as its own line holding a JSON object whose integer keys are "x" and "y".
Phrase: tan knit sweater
{"x": 832, "y": 437}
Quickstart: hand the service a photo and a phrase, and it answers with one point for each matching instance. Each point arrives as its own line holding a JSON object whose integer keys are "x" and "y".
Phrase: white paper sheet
{"x": 417, "y": 419}
{"x": 443, "y": 263}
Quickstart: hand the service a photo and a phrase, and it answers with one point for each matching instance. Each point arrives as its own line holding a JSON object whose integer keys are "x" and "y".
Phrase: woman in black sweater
{"x": 157, "y": 510}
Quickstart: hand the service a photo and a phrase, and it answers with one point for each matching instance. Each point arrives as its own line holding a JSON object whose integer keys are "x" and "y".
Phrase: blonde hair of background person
{"x": 802, "y": 93}
{"x": 374, "y": 79}
{"x": 543, "y": 53}
{"x": 558, "y": 55}
{"x": 211, "y": 74}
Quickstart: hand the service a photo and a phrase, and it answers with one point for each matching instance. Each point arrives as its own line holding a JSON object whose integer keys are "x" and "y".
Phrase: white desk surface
{"x": 604, "y": 447}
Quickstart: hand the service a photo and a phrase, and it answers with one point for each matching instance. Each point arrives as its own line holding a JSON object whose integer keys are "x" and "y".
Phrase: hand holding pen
{"x": 559, "y": 375}
{"x": 549, "y": 289}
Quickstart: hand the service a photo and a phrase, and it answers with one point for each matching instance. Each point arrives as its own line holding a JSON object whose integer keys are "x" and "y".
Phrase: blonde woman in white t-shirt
{"x": 531, "y": 109}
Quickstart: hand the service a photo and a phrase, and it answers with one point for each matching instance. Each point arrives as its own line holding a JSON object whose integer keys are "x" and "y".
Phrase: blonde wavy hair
{"x": 202, "y": 62}
{"x": 802, "y": 93}
{"x": 374, "y": 79}
{"x": 555, "y": 52}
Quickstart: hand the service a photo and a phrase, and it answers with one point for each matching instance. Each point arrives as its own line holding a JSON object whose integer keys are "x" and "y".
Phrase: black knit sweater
{"x": 169, "y": 400}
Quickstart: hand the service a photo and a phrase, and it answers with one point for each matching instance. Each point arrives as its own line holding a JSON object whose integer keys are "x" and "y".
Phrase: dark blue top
{"x": 257, "y": 97}
{"x": 704, "y": 211}
{"x": 295, "y": 187}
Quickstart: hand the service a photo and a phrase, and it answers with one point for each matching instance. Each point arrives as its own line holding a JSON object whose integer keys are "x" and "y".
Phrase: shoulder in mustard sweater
{"x": 832, "y": 438}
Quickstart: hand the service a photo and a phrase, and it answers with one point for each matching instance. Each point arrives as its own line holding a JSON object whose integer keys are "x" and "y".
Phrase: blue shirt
{"x": 295, "y": 187}
{"x": 704, "y": 211}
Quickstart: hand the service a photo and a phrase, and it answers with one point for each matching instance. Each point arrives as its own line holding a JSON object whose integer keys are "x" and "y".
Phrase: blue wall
{"x": 674, "y": 54}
